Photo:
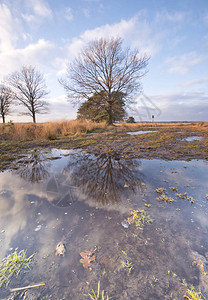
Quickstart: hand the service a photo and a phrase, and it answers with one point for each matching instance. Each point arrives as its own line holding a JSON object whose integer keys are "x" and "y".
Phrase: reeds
{"x": 49, "y": 130}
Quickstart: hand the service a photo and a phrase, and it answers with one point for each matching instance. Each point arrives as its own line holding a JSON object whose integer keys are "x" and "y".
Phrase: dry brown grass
{"x": 49, "y": 130}
{"x": 200, "y": 126}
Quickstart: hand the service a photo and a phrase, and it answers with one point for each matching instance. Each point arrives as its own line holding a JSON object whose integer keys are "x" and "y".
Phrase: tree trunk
{"x": 34, "y": 120}
{"x": 110, "y": 121}
{"x": 110, "y": 116}
{"x": 3, "y": 118}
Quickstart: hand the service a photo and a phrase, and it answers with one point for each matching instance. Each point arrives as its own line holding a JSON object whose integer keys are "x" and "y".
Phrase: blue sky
{"x": 49, "y": 33}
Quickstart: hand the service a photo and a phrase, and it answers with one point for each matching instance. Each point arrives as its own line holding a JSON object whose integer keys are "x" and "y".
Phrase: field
{"x": 121, "y": 211}
{"x": 167, "y": 142}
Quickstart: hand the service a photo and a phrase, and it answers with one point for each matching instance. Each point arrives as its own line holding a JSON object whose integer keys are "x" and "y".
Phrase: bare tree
{"x": 104, "y": 67}
{"x": 6, "y": 98}
{"x": 29, "y": 89}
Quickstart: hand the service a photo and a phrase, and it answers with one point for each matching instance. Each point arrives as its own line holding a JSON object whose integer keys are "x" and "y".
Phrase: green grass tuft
{"x": 13, "y": 265}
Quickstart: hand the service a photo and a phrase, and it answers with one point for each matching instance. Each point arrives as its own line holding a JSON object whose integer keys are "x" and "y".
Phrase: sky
{"x": 48, "y": 34}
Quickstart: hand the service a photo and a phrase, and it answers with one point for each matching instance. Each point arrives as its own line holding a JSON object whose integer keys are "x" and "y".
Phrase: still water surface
{"x": 83, "y": 201}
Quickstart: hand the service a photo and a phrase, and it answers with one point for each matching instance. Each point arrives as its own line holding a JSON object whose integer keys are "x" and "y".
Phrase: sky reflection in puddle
{"x": 193, "y": 138}
{"x": 83, "y": 199}
{"x": 140, "y": 132}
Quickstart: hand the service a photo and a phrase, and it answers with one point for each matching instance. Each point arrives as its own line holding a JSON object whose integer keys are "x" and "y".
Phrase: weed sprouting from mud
{"x": 165, "y": 198}
{"x": 127, "y": 266}
{"x": 161, "y": 190}
{"x": 139, "y": 217}
{"x": 13, "y": 265}
{"x": 97, "y": 295}
{"x": 173, "y": 188}
{"x": 191, "y": 293}
{"x": 185, "y": 196}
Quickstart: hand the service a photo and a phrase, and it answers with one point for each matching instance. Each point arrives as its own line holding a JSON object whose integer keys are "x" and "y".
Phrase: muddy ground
{"x": 166, "y": 143}
{"x": 83, "y": 200}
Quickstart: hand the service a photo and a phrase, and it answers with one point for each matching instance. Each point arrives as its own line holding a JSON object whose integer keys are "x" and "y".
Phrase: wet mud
{"x": 59, "y": 204}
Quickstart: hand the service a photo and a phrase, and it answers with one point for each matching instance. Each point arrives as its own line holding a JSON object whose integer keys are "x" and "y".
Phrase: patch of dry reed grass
{"x": 49, "y": 130}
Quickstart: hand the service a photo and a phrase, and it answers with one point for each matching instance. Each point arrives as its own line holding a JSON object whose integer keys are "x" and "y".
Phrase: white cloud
{"x": 68, "y": 14}
{"x": 176, "y": 16}
{"x": 178, "y": 106}
{"x": 36, "y": 54}
{"x": 135, "y": 32}
{"x": 183, "y": 63}
{"x": 195, "y": 82}
{"x": 36, "y": 10}
{"x": 8, "y": 29}
{"x": 41, "y": 8}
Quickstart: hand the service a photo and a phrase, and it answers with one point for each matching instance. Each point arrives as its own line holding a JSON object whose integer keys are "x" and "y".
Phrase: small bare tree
{"x": 104, "y": 67}
{"x": 29, "y": 89}
{"x": 6, "y": 98}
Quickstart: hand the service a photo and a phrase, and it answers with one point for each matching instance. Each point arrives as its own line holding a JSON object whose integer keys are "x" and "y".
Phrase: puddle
{"x": 140, "y": 132}
{"x": 82, "y": 202}
{"x": 193, "y": 138}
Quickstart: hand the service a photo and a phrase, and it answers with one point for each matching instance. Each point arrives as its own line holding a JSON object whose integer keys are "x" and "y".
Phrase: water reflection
{"x": 60, "y": 191}
{"x": 34, "y": 168}
{"x": 103, "y": 177}
{"x": 140, "y": 132}
{"x": 178, "y": 231}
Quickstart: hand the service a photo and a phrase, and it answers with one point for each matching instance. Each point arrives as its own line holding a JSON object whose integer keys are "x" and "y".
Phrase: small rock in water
{"x": 3, "y": 192}
{"x": 38, "y": 228}
{"x": 125, "y": 224}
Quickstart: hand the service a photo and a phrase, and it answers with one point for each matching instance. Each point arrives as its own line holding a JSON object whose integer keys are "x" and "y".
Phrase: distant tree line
{"x": 104, "y": 75}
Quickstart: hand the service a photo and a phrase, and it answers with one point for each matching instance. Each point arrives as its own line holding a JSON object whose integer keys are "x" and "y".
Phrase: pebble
{"x": 125, "y": 224}
{"x": 38, "y": 228}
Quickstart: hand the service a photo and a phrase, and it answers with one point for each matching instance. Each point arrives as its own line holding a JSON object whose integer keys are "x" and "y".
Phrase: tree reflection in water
{"x": 103, "y": 177}
{"x": 33, "y": 169}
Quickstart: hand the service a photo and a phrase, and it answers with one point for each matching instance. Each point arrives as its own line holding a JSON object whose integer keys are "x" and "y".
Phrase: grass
{"x": 140, "y": 218}
{"x": 48, "y": 131}
{"x": 161, "y": 190}
{"x": 185, "y": 196}
{"x": 173, "y": 188}
{"x": 166, "y": 143}
{"x": 191, "y": 294}
{"x": 165, "y": 198}
{"x": 99, "y": 295}
{"x": 127, "y": 266}
{"x": 13, "y": 265}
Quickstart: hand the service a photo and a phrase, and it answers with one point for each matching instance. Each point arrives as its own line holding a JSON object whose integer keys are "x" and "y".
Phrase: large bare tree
{"x": 29, "y": 89}
{"x": 6, "y": 98}
{"x": 104, "y": 67}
